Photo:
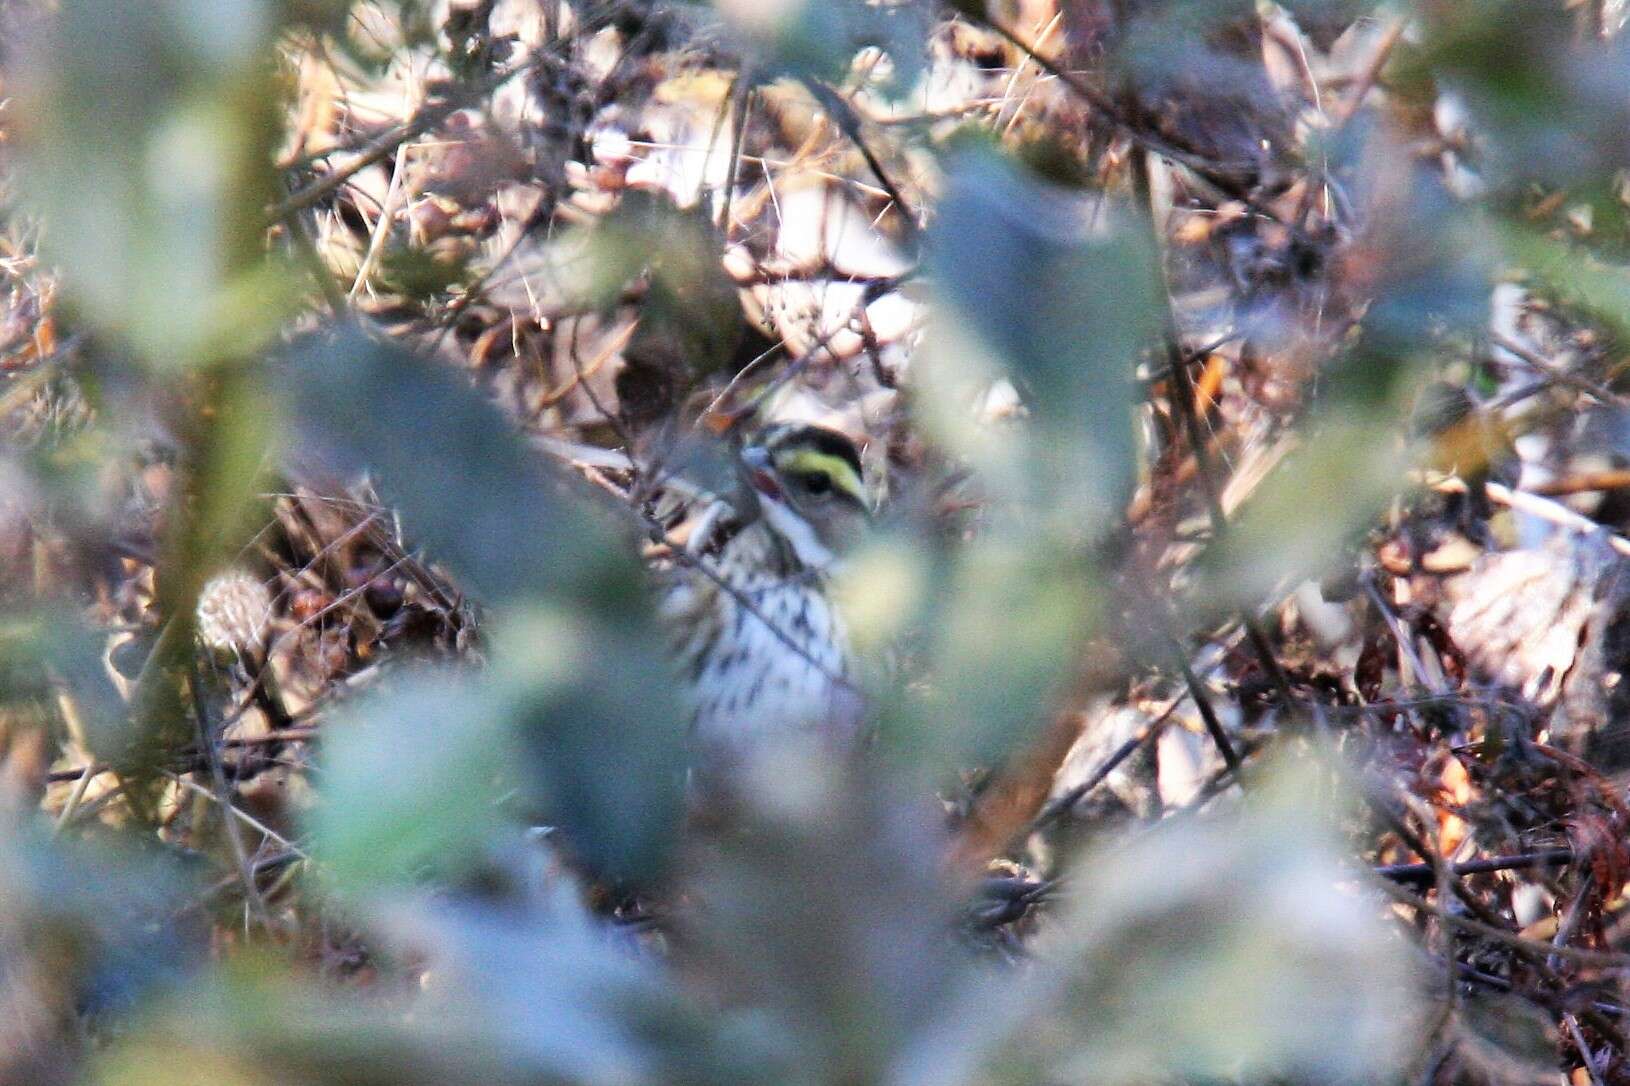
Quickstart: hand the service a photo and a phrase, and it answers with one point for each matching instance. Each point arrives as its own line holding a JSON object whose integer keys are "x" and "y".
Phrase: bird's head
{"x": 809, "y": 486}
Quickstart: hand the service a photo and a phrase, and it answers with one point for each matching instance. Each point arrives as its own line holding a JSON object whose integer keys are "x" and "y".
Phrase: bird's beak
{"x": 761, "y": 471}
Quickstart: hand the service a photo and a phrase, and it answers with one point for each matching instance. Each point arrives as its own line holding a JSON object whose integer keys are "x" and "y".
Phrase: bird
{"x": 760, "y": 644}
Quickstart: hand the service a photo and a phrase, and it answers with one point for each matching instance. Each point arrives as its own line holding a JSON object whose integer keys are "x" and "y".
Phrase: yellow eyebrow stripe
{"x": 836, "y": 468}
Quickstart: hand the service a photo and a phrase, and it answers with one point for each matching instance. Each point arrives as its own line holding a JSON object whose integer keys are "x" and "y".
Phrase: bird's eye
{"x": 817, "y": 483}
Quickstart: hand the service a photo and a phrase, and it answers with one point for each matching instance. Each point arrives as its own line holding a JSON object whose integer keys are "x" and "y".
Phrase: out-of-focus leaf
{"x": 690, "y": 299}
{"x": 591, "y": 698}
{"x": 39, "y": 650}
{"x": 522, "y": 996}
{"x": 147, "y": 132}
{"x": 1601, "y": 288}
{"x": 1325, "y": 494}
{"x": 1168, "y": 45}
{"x": 468, "y": 487}
{"x": 691, "y": 318}
{"x": 1004, "y": 615}
{"x": 1549, "y": 106}
{"x": 1044, "y": 291}
{"x": 1048, "y": 289}
{"x": 1347, "y": 470}
{"x": 546, "y": 988}
{"x": 1219, "y": 948}
{"x": 1411, "y": 288}
{"x": 411, "y": 783}
{"x": 819, "y": 39}
{"x": 1505, "y": 1034}
{"x": 86, "y": 926}
{"x": 830, "y": 915}
{"x": 579, "y": 685}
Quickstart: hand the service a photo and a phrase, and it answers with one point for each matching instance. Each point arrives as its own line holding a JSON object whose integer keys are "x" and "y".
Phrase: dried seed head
{"x": 233, "y": 611}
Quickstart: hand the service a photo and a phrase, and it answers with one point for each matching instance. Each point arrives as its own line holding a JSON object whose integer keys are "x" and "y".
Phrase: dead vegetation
{"x": 1246, "y": 385}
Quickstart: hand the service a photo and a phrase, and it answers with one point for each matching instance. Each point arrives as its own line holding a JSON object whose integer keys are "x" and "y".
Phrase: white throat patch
{"x": 797, "y": 531}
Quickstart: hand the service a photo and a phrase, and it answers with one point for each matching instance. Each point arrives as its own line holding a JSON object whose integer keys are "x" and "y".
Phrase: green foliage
{"x": 449, "y": 459}
{"x": 690, "y": 305}
{"x": 153, "y": 170}
{"x": 820, "y": 945}
{"x": 1551, "y": 112}
{"x": 412, "y": 782}
{"x": 818, "y": 39}
{"x": 564, "y": 587}
{"x": 1054, "y": 293}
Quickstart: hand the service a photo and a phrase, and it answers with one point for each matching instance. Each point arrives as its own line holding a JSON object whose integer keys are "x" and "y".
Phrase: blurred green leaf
{"x": 690, "y": 312}
{"x": 829, "y": 912}
{"x": 411, "y": 783}
{"x": 1050, "y": 290}
{"x": 469, "y": 489}
{"x": 88, "y": 925}
{"x": 518, "y": 996}
{"x": 1350, "y": 465}
{"x": 1507, "y": 1035}
{"x": 1215, "y": 948}
{"x": 1414, "y": 289}
{"x": 1044, "y": 291}
{"x": 592, "y": 699}
{"x": 1548, "y": 105}
{"x": 818, "y": 39}
{"x": 996, "y": 622}
{"x": 690, "y": 317}
{"x": 147, "y": 133}
{"x": 42, "y": 649}
{"x": 1596, "y": 286}
{"x": 1197, "y": 45}
{"x": 580, "y": 682}
{"x": 414, "y": 778}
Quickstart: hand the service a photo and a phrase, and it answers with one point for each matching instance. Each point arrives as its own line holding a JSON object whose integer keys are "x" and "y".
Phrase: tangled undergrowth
{"x": 1250, "y": 611}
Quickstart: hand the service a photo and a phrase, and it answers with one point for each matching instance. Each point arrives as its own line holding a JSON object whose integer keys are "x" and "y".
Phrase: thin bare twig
{"x": 223, "y": 798}
{"x": 1056, "y": 807}
{"x": 844, "y": 116}
{"x": 1424, "y": 873}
